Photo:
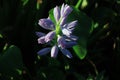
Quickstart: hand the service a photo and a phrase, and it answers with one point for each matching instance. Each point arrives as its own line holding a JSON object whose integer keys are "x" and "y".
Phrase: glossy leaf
{"x": 82, "y": 30}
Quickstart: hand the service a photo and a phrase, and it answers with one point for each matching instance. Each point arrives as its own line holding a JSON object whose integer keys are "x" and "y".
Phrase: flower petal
{"x": 43, "y": 51}
{"x": 63, "y": 21}
{"x": 70, "y": 44}
{"x": 67, "y": 11}
{"x": 41, "y": 40}
{"x": 62, "y": 9}
{"x": 71, "y": 25}
{"x": 66, "y": 53}
{"x": 57, "y": 13}
{"x": 54, "y": 51}
{"x": 61, "y": 42}
{"x": 40, "y": 34}
{"x": 72, "y": 37}
{"x": 46, "y": 24}
{"x": 66, "y": 32}
{"x": 50, "y": 36}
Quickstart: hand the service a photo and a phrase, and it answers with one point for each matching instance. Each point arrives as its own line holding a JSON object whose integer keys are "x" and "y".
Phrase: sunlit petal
{"x": 54, "y": 51}
{"x": 57, "y": 13}
{"x": 46, "y": 24}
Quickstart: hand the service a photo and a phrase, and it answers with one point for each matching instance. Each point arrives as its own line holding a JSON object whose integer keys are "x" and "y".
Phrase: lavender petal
{"x": 63, "y": 21}
{"x": 66, "y": 32}
{"x": 62, "y": 10}
{"x": 46, "y": 24}
{"x": 67, "y": 53}
{"x": 40, "y": 34}
{"x": 72, "y": 37}
{"x": 57, "y": 13}
{"x": 71, "y": 25}
{"x": 54, "y": 51}
{"x": 41, "y": 40}
{"x": 43, "y": 51}
{"x": 61, "y": 42}
{"x": 50, "y": 36}
{"x": 70, "y": 44}
{"x": 67, "y": 11}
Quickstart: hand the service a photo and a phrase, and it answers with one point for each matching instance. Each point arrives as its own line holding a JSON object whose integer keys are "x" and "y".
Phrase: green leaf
{"x": 82, "y": 30}
{"x": 11, "y": 62}
{"x": 80, "y": 51}
{"x": 51, "y": 16}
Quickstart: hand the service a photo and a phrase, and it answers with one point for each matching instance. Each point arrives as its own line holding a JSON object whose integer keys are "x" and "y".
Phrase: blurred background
{"x": 18, "y": 42}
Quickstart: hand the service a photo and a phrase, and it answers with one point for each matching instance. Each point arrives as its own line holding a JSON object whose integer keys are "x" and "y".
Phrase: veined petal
{"x": 50, "y": 36}
{"x": 46, "y": 24}
{"x": 66, "y": 32}
{"x": 41, "y": 40}
{"x": 67, "y": 53}
{"x": 40, "y": 34}
{"x": 72, "y": 37}
{"x": 57, "y": 13}
{"x": 54, "y": 51}
{"x": 43, "y": 51}
{"x": 71, "y": 25}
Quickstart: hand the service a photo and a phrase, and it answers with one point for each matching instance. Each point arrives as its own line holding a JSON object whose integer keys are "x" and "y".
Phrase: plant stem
{"x": 94, "y": 66}
{"x": 78, "y": 4}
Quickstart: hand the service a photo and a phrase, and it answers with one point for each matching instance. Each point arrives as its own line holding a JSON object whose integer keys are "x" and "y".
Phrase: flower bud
{"x": 56, "y": 13}
{"x": 41, "y": 40}
{"x": 65, "y": 10}
{"x": 40, "y": 34}
{"x": 49, "y": 36}
{"x": 66, "y": 53}
{"x": 54, "y": 51}
{"x": 46, "y": 24}
{"x": 44, "y": 51}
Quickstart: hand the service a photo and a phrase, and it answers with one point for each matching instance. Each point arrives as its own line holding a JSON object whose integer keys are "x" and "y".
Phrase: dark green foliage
{"x": 98, "y": 45}
{"x": 11, "y": 64}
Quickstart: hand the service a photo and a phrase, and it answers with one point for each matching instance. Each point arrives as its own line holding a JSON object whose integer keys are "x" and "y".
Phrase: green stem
{"x": 78, "y": 4}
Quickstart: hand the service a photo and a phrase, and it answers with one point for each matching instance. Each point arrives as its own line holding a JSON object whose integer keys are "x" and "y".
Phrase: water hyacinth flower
{"x": 60, "y": 37}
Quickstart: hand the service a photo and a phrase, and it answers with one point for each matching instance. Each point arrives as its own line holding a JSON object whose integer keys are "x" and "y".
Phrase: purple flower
{"x": 60, "y": 36}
